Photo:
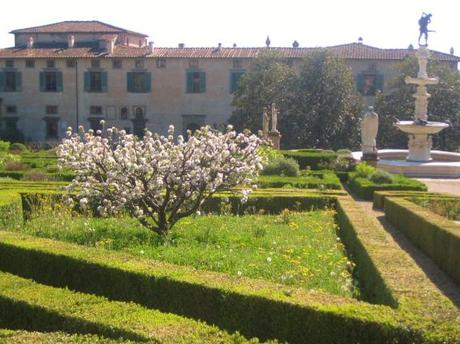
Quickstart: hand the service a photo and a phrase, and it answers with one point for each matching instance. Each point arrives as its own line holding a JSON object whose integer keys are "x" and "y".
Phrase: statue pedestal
{"x": 275, "y": 138}
{"x": 370, "y": 158}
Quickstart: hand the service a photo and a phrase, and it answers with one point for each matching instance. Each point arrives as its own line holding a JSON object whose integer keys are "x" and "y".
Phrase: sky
{"x": 383, "y": 24}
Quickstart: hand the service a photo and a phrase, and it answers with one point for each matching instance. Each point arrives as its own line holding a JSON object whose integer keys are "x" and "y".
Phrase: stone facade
{"x": 130, "y": 84}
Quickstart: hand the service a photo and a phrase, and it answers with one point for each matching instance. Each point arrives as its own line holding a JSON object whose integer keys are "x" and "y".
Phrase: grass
{"x": 298, "y": 249}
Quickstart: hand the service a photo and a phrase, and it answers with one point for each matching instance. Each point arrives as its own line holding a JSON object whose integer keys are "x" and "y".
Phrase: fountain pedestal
{"x": 420, "y": 129}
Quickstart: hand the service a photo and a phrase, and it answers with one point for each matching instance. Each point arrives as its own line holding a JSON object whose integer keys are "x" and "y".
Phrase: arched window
{"x": 139, "y": 113}
{"x": 124, "y": 113}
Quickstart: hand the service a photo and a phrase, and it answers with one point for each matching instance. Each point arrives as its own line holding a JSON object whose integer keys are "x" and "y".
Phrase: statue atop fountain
{"x": 420, "y": 129}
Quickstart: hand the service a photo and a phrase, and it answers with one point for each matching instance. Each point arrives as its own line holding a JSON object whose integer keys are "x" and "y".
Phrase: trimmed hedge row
{"x": 10, "y": 209}
{"x": 389, "y": 275}
{"x": 311, "y": 158}
{"x": 256, "y": 308}
{"x": 31, "y": 306}
{"x": 18, "y": 175}
{"x": 380, "y": 196}
{"x": 28, "y": 337}
{"x": 435, "y": 235}
{"x": 365, "y": 188}
{"x": 325, "y": 180}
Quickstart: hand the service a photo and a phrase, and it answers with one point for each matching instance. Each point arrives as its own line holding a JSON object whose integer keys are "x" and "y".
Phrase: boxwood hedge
{"x": 435, "y": 235}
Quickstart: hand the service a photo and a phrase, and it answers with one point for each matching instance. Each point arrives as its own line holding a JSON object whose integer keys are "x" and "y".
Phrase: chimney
{"x": 295, "y": 44}
{"x": 110, "y": 44}
{"x": 30, "y": 43}
{"x": 452, "y": 51}
{"x": 70, "y": 41}
{"x": 234, "y": 45}
{"x": 181, "y": 45}
{"x": 150, "y": 47}
{"x": 360, "y": 40}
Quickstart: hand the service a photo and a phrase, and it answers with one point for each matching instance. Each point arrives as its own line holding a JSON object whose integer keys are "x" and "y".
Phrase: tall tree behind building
{"x": 318, "y": 103}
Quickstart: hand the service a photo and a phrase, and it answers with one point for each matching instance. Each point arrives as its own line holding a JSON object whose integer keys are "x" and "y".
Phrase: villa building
{"x": 79, "y": 72}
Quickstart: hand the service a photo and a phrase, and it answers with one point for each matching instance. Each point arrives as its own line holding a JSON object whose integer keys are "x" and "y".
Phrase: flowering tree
{"x": 157, "y": 179}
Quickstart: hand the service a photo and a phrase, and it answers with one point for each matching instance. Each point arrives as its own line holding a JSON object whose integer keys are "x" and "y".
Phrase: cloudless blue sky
{"x": 385, "y": 24}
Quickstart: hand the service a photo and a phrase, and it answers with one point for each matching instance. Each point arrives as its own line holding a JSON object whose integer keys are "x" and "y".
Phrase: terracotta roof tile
{"x": 351, "y": 51}
{"x": 76, "y": 27}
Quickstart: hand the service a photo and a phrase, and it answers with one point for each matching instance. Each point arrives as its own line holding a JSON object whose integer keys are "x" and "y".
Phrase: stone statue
{"x": 369, "y": 129}
{"x": 423, "y": 22}
{"x": 274, "y": 118}
{"x": 265, "y": 123}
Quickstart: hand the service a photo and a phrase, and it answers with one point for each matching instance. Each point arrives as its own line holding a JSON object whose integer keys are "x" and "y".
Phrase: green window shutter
{"x": 379, "y": 83}
{"x": 148, "y": 82}
{"x": 202, "y": 82}
{"x": 87, "y": 81}
{"x": 59, "y": 82}
{"x": 189, "y": 85}
{"x": 235, "y": 81}
{"x": 130, "y": 80}
{"x": 42, "y": 81}
{"x": 360, "y": 83}
{"x": 104, "y": 81}
{"x": 2, "y": 81}
{"x": 18, "y": 81}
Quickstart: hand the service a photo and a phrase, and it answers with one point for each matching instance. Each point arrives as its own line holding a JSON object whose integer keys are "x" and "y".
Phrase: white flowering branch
{"x": 157, "y": 179}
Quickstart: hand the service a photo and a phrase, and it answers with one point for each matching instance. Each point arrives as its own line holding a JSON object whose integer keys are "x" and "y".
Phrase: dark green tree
{"x": 267, "y": 80}
{"x": 324, "y": 106}
{"x": 318, "y": 103}
{"x": 398, "y": 103}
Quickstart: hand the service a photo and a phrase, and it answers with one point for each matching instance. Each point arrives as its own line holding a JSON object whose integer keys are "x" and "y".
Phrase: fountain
{"x": 420, "y": 129}
{"x": 419, "y": 160}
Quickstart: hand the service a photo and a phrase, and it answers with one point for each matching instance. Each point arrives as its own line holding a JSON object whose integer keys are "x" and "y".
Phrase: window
{"x": 95, "y": 64}
{"x": 95, "y": 110}
{"x": 161, "y": 63}
{"x": 11, "y": 109}
{"x": 9, "y": 64}
{"x": 10, "y": 81}
{"x": 192, "y": 123}
{"x": 50, "y": 64}
{"x": 124, "y": 113}
{"x": 51, "y": 110}
{"x": 96, "y": 81}
{"x": 51, "y": 82}
{"x": 139, "y": 82}
{"x": 127, "y": 129}
{"x": 139, "y": 64}
{"x": 193, "y": 64}
{"x": 235, "y": 77}
{"x": 368, "y": 83}
{"x": 237, "y": 63}
{"x": 196, "y": 82}
{"x": 51, "y": 128}
{"x": 30, "y": 63}
{"x": 71, "y": 63}
{"x": 117, "y": 64}
{"x": 95, "y": 124}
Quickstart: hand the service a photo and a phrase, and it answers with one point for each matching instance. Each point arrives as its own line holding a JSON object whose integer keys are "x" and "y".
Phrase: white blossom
{"x": 157, "y": 179}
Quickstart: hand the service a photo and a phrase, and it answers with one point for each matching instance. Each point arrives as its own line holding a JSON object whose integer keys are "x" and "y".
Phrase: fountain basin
{"x": 411, "y": 127}
{"x": 444, "y": 164}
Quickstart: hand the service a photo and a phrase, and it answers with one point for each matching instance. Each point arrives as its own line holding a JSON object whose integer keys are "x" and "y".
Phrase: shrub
{"x": 282, "y": 166}
{"x": 381, "y": 177}
{"x": 363, "y": 170}
{"x": 311, "y": 158}
{"x": 35, "y": 176}
{"x": 16, "y": 166}
{"x": 18, "y": 148}
{"x": 4, "y": 146}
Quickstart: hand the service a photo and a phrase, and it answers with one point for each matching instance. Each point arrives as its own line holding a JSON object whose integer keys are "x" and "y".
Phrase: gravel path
{"x": 451, "y": 186}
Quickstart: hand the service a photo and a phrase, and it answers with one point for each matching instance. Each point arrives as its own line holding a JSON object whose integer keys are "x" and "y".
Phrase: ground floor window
{"x": 52, "y": 128}
{"x": 192, "y": 123}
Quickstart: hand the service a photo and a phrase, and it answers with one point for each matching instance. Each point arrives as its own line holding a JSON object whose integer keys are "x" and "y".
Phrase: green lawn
{"x": 299, "y": 249}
